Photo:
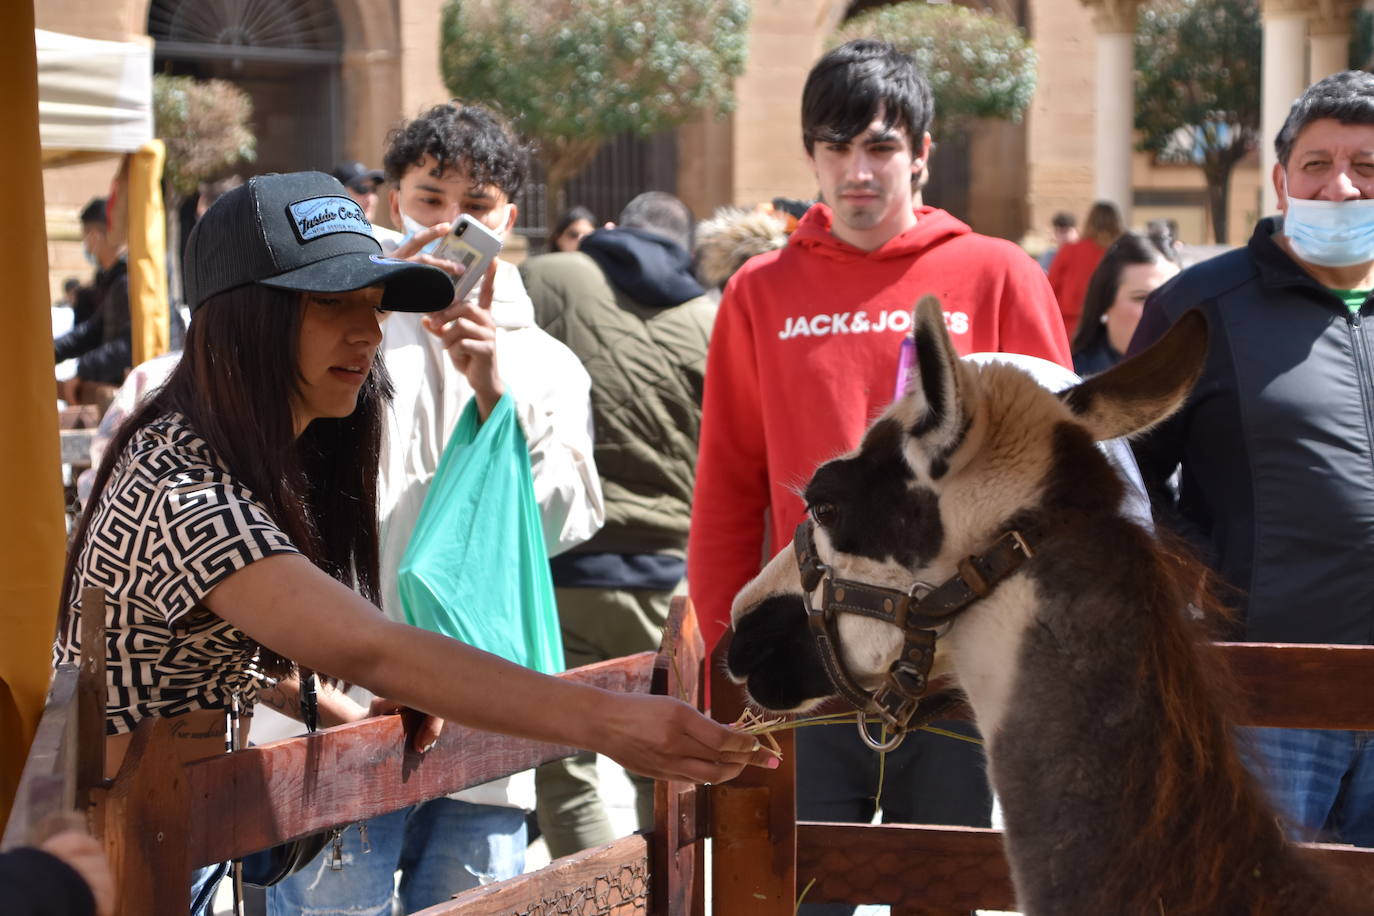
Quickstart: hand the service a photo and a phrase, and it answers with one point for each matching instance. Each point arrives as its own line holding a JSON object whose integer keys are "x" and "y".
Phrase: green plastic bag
{"x": 476, "y": 567}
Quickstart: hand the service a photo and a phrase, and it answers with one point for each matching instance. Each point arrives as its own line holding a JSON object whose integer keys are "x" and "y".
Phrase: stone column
{"x": 1328, "y": 39}
{"x": 1284, "y": 79}
{"x": 1114, "y": 125}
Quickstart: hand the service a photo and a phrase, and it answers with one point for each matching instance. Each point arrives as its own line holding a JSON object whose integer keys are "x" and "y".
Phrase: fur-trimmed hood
{"x": 733, "y": 236}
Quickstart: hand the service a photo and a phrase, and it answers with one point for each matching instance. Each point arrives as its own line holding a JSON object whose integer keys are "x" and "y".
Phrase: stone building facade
{"x": 331, "y": 77}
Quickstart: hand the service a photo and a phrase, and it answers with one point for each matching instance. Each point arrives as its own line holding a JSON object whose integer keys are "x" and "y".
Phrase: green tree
{"x": 206, "y": 126}
{"x": 1197, "y": 94}
{"x": 979, "y": 65}
{"x": 573, "y": 74}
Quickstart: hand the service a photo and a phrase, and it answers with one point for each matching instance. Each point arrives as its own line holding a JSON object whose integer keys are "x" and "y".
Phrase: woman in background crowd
{"x": 1076, "y": 261}
{"x": 1132, "y": 268}
{"x": 572, "y": 227}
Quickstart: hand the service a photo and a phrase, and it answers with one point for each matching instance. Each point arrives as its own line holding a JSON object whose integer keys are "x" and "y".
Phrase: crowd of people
{"x": 674, "y": 383}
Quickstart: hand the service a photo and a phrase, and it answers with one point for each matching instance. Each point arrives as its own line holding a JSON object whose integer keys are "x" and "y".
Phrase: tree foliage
{"x": 979, "y": 65}
{"x": 573, "y": 74}
{"x": 206, "y": 125}
{"x": 1198, "y": 88}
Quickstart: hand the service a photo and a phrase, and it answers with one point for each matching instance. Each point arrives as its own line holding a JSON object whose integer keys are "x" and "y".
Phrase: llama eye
{"x": 824, "y": 514}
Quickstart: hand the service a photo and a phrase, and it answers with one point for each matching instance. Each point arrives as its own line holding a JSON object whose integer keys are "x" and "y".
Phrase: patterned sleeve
{"x": 205, "y": 526}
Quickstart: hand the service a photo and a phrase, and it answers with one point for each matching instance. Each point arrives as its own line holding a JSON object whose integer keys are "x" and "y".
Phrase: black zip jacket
{"x": 103, "y": 343}
{"x": 1276, "y": 443}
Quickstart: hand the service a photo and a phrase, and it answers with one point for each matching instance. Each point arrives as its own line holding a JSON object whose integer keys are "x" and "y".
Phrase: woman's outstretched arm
{"x": 288, "y": 604}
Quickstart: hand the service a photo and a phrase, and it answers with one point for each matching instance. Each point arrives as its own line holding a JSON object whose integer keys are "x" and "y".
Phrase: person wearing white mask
{"x": 457, "y": 159}
{"x": 1276, "y": 441}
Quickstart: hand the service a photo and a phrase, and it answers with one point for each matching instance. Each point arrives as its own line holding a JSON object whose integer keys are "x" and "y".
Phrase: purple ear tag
{"x": 906, "y": 366}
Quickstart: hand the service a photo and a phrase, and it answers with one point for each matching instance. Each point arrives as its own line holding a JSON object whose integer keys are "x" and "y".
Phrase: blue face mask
{"x": 1330, "y": 233}
{"x": 413, "y": 228}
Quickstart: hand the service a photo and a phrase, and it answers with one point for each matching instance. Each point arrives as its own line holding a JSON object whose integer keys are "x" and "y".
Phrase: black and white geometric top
{"x": 169, "y": 526}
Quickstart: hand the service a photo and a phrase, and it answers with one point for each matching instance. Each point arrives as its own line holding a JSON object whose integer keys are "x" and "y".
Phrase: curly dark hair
{"x": 459, "y": 135}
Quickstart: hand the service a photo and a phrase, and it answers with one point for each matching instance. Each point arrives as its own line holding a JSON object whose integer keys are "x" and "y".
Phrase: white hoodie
{"x": 552, "y": 394}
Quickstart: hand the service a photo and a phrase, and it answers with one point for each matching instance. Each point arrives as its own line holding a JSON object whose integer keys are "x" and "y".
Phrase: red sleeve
{"x": 1029, "y": 321}
{"x": 725, "y": 542}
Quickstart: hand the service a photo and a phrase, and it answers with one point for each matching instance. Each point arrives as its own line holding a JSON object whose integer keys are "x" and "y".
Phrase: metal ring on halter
{"x": 891, "y": 744}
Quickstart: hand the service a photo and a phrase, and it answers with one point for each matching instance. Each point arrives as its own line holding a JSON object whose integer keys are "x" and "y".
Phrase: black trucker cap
{"x": 301, "y": 231}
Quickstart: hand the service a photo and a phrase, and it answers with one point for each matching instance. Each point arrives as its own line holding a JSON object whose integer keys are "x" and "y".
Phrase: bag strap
{"x": 310, "y": 703}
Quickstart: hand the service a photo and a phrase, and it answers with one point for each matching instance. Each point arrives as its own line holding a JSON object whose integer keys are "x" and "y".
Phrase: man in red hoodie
{"x": 804, "y": 354}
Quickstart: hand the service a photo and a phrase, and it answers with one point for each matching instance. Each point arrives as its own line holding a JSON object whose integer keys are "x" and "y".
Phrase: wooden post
{"x": 147, "y": 825}
{"x": 753, "y": 822}
{"x": 677, "y": 847}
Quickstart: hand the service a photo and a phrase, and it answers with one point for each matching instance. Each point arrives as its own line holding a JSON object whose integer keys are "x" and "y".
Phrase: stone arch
{"x": 286, "y": 54}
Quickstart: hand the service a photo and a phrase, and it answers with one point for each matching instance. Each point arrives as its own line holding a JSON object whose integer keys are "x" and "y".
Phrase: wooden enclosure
{"x": 763, "y": 859}
{"x": 160, "y": 820}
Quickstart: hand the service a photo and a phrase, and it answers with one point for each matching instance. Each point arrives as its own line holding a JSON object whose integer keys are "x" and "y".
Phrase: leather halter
{"x": 922, "y": 613}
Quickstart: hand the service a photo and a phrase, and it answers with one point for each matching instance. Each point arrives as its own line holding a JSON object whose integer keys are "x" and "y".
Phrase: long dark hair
{"x": 235, "y": 385}
{"x": 1131, "y": 248}
{"x": 569, "y": 217}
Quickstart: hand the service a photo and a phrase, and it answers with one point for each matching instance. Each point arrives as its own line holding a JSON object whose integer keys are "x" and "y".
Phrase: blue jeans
{"x": 1322, "y": 782}
{"x": 441, "y": 847}
{"x": 204, "y": 882}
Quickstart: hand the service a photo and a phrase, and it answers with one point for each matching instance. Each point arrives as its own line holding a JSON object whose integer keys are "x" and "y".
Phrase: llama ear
{"x": 1137, "y": 393}
{"x": 934, "y": 389}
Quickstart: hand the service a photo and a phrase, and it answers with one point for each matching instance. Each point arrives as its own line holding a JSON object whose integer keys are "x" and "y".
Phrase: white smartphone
{"x": 474, "y": 246}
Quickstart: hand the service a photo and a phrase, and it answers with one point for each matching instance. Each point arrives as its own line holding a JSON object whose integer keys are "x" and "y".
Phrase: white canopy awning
{"x": 95, "y": 98}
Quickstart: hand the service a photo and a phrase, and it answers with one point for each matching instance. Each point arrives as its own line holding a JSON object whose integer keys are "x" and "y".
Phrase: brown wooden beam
{"x": 262, "y": 796}
{"x": 1299, "y": 686}
{"x": 610, "y": 880}
{"x": 753, "y": 822}
{"x": 48, "y": 784}
{"x": 677, "y": 673}
{"x": 921, "y": 869}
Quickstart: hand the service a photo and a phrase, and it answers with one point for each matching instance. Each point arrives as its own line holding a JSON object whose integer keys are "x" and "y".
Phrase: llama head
{"x": 968, "y": 453}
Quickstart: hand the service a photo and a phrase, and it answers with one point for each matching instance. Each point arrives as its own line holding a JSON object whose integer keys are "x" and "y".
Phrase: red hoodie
{"x": 804, "y": 355}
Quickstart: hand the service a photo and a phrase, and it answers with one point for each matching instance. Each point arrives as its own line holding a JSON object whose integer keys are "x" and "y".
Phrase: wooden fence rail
{"x": 161, "y": 818}
{"x": 763, "y": 859}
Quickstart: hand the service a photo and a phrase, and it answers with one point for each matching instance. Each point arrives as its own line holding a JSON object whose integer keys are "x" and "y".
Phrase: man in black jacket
{"x": 103, "y": 343}
{"x": 1276, "y": 441}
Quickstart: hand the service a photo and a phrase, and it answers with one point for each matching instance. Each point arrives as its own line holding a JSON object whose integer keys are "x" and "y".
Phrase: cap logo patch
{"x": 321, "y": 216}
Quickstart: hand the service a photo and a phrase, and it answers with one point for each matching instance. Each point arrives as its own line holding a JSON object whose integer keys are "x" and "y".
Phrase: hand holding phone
{"x": 472, "y": 245}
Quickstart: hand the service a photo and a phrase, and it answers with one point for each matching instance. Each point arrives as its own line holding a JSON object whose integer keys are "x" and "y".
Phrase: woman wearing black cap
{"x": 233, "y": 525}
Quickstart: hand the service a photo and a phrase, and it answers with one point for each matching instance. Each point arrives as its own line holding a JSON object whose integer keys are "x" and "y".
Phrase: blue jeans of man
{"x": 1321, "y": 781}
{"x": 441, "y": 847}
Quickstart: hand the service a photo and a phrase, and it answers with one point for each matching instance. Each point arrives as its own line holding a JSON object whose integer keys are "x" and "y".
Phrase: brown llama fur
{"x": 1107, "y": 716}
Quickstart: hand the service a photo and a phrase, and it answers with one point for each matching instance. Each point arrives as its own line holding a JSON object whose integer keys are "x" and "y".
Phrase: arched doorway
{"x": 284, "y": 53}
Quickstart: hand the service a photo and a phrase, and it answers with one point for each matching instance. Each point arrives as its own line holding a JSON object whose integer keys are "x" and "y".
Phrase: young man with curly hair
{"x": 458, "y": 159}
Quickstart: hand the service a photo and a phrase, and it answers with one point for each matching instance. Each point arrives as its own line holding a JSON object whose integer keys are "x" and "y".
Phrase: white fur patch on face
{"x": 781, "y": 575}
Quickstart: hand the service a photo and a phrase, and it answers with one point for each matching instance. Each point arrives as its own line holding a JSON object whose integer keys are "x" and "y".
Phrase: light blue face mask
{"x": 1330, "y": 233}
{"x": 413, "y": 228}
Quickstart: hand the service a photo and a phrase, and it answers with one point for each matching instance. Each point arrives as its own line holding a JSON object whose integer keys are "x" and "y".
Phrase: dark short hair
{"x": 1063, "y": 220}
{"x": 1346, "y": 97}
{"x": 94, "y": 212}
{"x": 460, "y": 136}
{"x": 852, "y": 84}
{"x": 70, "y": 284}
{"x": 1130, "y": 248}
{"x": 660, "y": 212}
